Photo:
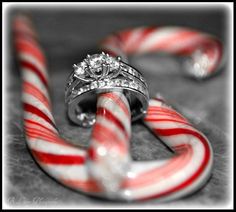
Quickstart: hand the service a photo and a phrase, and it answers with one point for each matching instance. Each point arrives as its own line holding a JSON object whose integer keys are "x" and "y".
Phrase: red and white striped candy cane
{"x": 178, "y": 176}
{"x": 205, "y": 50}
{"x": 61, "y": 160}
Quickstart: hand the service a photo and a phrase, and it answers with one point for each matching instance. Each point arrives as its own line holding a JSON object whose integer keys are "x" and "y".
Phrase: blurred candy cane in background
{"x": 105, "y": 169}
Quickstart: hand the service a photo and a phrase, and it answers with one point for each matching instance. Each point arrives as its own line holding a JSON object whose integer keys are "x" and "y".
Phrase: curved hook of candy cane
{"x": 180, "y": 175}
{"x": 66, "y": 163}
{"x": 202, "y": 52}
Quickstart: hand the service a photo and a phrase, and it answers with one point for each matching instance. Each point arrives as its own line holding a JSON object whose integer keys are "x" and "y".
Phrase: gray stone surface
{"x": 67, "y": 35}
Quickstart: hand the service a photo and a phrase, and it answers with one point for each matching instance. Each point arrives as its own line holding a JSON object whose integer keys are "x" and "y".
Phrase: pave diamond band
{"x": 101, "y": 73}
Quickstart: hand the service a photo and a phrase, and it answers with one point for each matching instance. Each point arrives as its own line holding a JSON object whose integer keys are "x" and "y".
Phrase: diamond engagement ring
{"x": 101, "y": 73}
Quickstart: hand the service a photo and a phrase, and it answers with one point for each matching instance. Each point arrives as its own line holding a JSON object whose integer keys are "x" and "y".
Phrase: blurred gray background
{"x": 67, "y": 35}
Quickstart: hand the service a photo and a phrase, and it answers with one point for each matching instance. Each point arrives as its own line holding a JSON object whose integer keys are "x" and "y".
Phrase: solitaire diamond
{"x": 95, "y": 61}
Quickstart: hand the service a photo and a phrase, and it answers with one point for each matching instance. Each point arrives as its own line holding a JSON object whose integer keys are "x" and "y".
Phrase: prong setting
{"x": 97, "y": 66}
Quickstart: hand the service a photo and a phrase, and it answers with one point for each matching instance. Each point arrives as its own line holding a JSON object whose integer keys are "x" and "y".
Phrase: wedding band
{"x": 101, "y": 73}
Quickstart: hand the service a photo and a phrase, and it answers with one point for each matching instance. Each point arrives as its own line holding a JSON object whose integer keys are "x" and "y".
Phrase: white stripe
{"x": 54, "y": 148}
{"x": 176, "y": 140}
{"x": 134, "y": 36}
{"x": 167, "y": 125}
{"x": 113, "y": 108}
{"x": 28, "y": 96}
{"x": 30, "y": 99}
{"x": 158, "y": 36}
{"x": 33, "y": 78}
{"x": 110, "y": 125}
{"x": 146, "y": 166}
{"x": 34, "y": 61}
{"x": 183, "y": 43}
{"x": 71, "y": 172}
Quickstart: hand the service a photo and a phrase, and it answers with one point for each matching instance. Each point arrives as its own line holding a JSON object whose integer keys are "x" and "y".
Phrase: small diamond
{"x": 74, "y": 91}
{"x": 94, "y": 85}
{"x": 112, "y": 62}
{"x": 101, "y": 84}
{"x": 133, "y": 85}
{"x": 130, "y": 70}
{"x": 141, "y": 89}
{"x": 110, "y": 83}
{"x": 96, "y": 61}
{"x": 141, "y": 78}
{"x": 83, "y": 64}
{"x": 118, "y": 82}
{"x": 79, "y": 70}
{"x": 135, "y": 73}
{"x": 87, "y": 88}
{"x": 81, "y": 90}
{"x": 125, "y": 83}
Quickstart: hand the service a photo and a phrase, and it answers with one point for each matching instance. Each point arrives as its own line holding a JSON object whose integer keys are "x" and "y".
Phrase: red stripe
{"x": 36, "y": 111}
{"x": 89, "y": 185}
{"x": 27, "y": 122}
{"x": 117, "y": 100}
{"x": 22, "y": 35}
{"x": 166, "y": 111}
{"x": 44, "y": 137}
{"x": 34, "y": 69}
{"x": 172, "y": 115}
{"x": 47, "y": 139}
{"x": 58, "y": 159}
{"x": 108, "y": 115}
{"x": 32, "y": 90}
{"x": 25, "y": 47}
{"x": 124, "y": 35}
{"x": 105, "y": 136}
{"x": 160, "y": 120}
{"x": 37, "y": 130}
{"x": 92, "y": 154}
{"x": 146, "y": 32}
{"x": 163, "y": 109}
{"x": 197, "y": 174}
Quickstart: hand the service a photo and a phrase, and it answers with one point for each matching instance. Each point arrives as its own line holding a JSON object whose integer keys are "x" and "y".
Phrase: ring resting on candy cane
{"x": 86, "y": 170}
{"x": 101, "y": 73}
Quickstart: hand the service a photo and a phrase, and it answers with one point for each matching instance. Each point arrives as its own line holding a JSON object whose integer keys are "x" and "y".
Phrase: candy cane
{"x": 61, "y": 160}
{"x": 204, "y": 50}
{"x": 173, "y": 178}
